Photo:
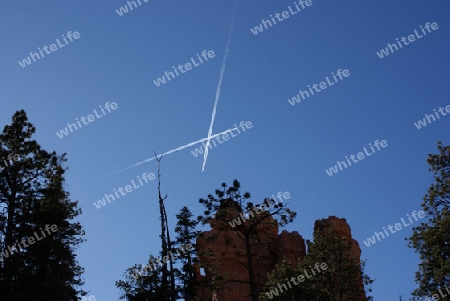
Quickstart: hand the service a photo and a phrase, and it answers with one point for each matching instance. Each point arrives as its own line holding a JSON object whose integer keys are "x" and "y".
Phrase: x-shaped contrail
{"x": 222, "y": 71}
{"x": 174, "y": 150}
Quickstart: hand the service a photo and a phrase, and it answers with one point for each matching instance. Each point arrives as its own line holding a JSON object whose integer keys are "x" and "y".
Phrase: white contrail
{"x": 172, "y": 151}
{"x": 222, "y": 71}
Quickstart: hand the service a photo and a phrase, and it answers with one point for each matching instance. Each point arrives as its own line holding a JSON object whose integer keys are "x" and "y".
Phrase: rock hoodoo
{"x": 222, "y": 253}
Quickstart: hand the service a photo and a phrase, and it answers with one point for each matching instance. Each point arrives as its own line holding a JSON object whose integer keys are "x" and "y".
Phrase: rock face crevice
{"x": 223, "y": 254}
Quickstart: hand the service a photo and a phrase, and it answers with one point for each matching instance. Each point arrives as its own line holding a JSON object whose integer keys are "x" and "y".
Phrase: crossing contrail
{"x": 222, "y": 71}
{"x": 172, "y": 151}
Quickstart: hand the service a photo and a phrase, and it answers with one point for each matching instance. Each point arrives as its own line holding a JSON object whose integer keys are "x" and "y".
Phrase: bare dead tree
{"x": 166, "y": 243}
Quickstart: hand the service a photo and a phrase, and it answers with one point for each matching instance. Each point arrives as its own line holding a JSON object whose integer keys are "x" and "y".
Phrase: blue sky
{"x": 288, "y": 148}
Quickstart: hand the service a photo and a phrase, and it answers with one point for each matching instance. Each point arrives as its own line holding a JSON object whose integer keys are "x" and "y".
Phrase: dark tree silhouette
{"x": 339, "y": 281}
{"x": 432, "y": 238}
{"x": 186, "y": 240}
{"x": 32, "y": 200}
{"x": 153, "y": 280}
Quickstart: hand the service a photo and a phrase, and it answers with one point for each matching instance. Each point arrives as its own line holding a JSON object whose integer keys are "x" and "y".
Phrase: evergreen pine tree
{"x": 432, "y": 238}
{"x": 340, "y": 281}
{"x": 143, "y": 283}
{"x": 186, "y": 236}
{"x": 33, "y": 201}
{"x": 279, "y": 277}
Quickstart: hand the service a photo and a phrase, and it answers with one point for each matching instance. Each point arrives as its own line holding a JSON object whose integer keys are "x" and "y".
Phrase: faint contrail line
{"x": 172, "y": 151}
{"x": 222, "y": 71}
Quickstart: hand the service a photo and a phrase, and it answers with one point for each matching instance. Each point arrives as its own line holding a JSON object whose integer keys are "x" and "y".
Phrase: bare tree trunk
{"x": 173, "y": 293}
{"x": 251, "y": 272}
{"x": 165, "y": 283}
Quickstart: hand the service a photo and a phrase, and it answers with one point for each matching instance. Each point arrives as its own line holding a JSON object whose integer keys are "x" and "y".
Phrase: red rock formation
{"x": 227, "y": 255}
{"x": 342, "y": 230}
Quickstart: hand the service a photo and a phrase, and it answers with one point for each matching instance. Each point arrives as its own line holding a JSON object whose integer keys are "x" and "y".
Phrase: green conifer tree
{"x": 432, "y": 238}
{"x": 38, "y": 264}
{"x": 338, "y": 280}
{"x": 186, "y": 236}
{"x": 143, "y": 283}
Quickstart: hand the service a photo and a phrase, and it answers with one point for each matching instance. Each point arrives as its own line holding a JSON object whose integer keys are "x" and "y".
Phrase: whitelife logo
{"x": 225, "y": 137}
{"x": 323, "y": 85}
{"x": 30, "y": 239}
{"x": 16, "y": 158}
{"x": 123, "y": 10}
{"x": 65, "y": 132}
{"x": 411, "y": 38}
{"x": 153, "y": 266}
{"x": 162, "y": 80}
{"x": 285, "y": 14}
{"x": 397, "y": 226}
{"x": 423, "y": 122}
{"x": 128, "y": 188}
{"x": 27, "y": 61}
{"x": 360, "y": 156}
{"x": 300, "y": 278}
{"x": 259, "y": 209}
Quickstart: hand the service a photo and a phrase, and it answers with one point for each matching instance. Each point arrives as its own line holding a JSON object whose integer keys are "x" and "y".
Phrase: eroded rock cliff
{"x": 222, "y": 251}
